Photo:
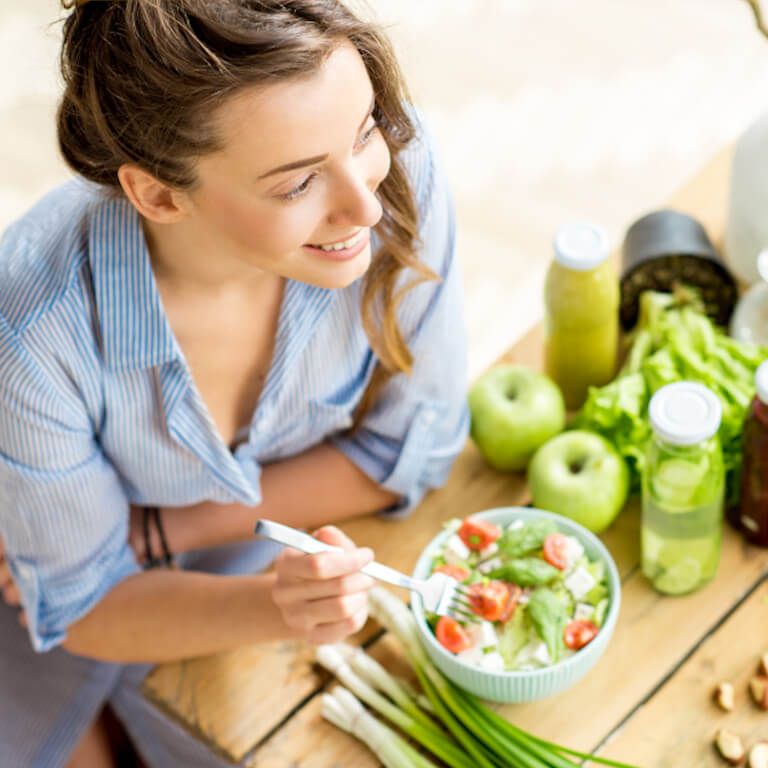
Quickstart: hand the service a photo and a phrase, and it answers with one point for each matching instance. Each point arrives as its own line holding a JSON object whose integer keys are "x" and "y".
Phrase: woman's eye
{"x": 366, "y": 137}
{"x": 300, "y": 189}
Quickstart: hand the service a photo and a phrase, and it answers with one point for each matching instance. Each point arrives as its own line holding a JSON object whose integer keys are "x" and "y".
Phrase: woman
{"x": 246, "y": 304}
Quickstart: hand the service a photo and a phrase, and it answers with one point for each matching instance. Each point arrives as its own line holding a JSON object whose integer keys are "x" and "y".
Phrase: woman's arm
{"x": 158, "y": 616}
{"x": 166, "y": 615}
{"x": 316, "y": 487}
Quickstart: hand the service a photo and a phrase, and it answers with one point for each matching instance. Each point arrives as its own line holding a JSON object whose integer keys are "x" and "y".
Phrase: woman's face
{"x": 300, "y": 169}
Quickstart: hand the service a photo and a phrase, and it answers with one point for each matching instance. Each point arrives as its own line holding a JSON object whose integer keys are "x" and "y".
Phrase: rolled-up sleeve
{"x": 63, "y": 512}
{"x": 409, "y": 440}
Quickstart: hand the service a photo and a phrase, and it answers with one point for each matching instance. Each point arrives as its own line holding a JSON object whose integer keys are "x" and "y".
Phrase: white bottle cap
{"x": 685, "y": 413}
{"x": 581, "y": 246}
{"x": 761, "y": 382}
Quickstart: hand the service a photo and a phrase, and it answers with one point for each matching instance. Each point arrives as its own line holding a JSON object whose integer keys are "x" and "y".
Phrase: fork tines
{"x": 459, "y": 605}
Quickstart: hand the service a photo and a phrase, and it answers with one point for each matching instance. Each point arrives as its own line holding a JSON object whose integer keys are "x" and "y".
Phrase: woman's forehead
{"x": 281, "y": 123}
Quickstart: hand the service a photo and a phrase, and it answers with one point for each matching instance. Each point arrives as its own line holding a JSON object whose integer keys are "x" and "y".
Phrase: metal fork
{"x": 440, "y": 593}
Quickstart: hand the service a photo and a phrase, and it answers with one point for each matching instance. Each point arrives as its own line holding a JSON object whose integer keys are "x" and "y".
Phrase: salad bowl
{"x": 542, "y": 677}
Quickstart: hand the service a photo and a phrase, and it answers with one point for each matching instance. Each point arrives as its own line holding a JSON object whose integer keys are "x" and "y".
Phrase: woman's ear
{"x": 153, "y": 200}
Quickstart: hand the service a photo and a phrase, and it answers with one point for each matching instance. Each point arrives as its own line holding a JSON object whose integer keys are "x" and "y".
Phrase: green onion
{"x": 484, "y": 734}
{"x": 425, "y": 731}
{"x": 342, "y": 709}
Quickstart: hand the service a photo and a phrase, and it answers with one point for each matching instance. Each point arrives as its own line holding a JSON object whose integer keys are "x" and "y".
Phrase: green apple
{"x": 580, "y": 475}
{"x": 514, "y": 411}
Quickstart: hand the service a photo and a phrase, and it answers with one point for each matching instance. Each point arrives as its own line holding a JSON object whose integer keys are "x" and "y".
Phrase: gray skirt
{"x": 49, "y": 700}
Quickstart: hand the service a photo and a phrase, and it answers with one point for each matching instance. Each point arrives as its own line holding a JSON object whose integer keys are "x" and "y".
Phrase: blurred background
{"x": 545, "y": 111}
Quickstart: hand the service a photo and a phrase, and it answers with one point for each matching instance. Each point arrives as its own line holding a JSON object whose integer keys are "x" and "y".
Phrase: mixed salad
{"x": 538, "y": 596}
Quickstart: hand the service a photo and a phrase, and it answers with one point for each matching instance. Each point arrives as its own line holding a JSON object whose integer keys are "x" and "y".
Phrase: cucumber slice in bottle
{"x": 684, "y": 576}
{"x": 676, "y": 482}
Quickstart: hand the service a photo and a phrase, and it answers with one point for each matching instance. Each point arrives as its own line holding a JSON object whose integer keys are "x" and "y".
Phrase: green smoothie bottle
{"x": 581, "y": 322}
{"x": 683, "y": 489}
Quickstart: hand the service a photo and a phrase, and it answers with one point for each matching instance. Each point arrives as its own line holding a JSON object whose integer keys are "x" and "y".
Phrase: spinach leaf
{"x": 526, "y": 572}
{"x": 517, "y": 542}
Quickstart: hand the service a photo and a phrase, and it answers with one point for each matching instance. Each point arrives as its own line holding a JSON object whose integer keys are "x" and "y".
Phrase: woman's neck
{"x": 188, "y": 263}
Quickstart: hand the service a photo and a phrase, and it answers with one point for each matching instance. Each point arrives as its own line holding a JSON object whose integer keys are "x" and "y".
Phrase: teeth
{"x": 340, "y": 246}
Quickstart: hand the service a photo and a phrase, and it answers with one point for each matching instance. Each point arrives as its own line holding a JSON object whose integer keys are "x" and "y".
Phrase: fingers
{"x": 331, "y": 610}
{"x": 293, "y": 565}
{"x": 8, "y": 588}
{"x": 5, "y": 573}
{"x": 11, "y": 595}
{"x": 324, "y": 595}
{"x": 293, "y": 592}
{"x": 330, "y": 534}
{"x": 334, "y": 633}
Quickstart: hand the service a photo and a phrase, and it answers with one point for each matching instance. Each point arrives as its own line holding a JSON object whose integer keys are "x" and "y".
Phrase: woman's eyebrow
{"x": 317, "y": 158}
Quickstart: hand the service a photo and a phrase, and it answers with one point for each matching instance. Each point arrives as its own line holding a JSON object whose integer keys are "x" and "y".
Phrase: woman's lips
{"x": 343, "y": 254}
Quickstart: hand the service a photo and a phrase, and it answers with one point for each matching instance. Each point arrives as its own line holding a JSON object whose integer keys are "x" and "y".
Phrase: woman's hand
{"x": 324, "y": 596}
{"x": 10, "y": 591}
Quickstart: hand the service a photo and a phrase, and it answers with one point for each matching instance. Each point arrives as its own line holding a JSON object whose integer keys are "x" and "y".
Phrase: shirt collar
{"x": 134, "y": 328}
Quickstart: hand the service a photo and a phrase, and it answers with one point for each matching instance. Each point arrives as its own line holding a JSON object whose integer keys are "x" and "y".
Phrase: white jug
{"x": 746, "y": 232}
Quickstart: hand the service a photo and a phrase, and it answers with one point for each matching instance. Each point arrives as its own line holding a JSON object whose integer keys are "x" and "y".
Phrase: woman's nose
{"x": 356, "y": 203}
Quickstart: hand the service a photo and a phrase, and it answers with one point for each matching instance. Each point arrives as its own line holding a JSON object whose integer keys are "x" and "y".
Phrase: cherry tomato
{"x": 478, "y": 534}
{"x": 451, "y": 635}
{"x": 489, "y": 600}
{"x": 555, "y": 548}
{"x": 456, "y": 571}
{"x": 580, "y": 632}
{"x": 514, "y": 595}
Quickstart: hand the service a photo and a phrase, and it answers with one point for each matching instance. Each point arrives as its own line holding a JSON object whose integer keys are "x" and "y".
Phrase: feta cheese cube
{"x": 492, "y": 662}
{"x": 573, "y": 552}
{"x": 541, "y": 654}
{"x": 579, "y": 582}
{"x": 472, "y": 656}
{"x": 534, "y": 652}
{"x": 515, "y": 525}
{"x": 493, "y": 563}
{"x": 524, "y": 597}
{"x": 487, "y": 635}
{"x": 491, "y": 549}
{"x": 456, "y": 551}
{"x": 584, "y": 612}
{"x": 483, "y": 635}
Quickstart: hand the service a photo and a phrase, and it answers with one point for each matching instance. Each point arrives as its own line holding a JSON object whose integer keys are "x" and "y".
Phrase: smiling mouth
{"x": 340, "y": 245}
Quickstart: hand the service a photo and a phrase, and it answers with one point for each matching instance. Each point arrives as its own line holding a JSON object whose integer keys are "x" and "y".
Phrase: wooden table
{"x": 647, "y": 700}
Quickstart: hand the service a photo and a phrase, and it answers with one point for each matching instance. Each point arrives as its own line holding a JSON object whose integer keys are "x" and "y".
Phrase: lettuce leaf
{"x": 674, "y": 341}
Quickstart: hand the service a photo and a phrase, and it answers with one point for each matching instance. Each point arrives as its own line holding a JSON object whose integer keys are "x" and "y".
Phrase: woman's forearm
{"x": 315, "y": 488}
{"x": 158, "y": 616}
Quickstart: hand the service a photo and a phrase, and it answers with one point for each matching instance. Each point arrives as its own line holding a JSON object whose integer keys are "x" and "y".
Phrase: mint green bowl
{"x": 521, "y": 685}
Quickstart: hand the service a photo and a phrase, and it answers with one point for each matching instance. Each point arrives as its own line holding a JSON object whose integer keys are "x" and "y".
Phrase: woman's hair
{"x": 143, "y": 79}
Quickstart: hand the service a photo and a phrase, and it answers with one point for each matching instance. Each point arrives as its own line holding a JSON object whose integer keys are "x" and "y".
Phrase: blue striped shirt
{"x": 98, "y": 409}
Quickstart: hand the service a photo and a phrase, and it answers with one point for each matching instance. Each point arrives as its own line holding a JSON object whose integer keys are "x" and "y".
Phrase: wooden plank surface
{"x": 234, "y": 701}
{"x": 675, "y": 728}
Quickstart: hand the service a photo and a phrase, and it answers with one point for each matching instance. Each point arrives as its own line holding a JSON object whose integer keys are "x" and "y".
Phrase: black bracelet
{"x": 167, "y": 555}
{"x": 153, "y": 514}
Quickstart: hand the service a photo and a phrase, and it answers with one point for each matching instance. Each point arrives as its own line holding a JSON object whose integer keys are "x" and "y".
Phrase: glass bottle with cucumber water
{"x": 683, "y": 489}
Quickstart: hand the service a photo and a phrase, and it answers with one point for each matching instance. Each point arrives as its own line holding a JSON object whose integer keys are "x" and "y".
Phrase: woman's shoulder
{"x": 43, "y": 250}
